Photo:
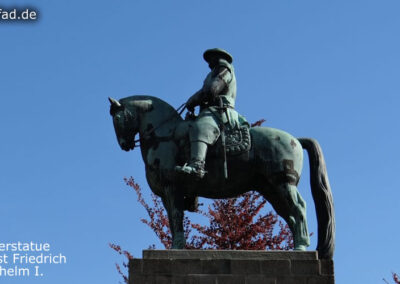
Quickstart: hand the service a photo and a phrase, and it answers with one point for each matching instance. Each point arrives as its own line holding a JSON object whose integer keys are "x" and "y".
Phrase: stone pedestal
{"x": 231, "y": 267}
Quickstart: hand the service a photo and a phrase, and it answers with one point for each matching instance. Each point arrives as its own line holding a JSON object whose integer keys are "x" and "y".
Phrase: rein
{"x": 179, "y": 110}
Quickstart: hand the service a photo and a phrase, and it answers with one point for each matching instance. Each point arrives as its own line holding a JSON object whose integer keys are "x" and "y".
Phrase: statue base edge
{"x": 230, "y": 266}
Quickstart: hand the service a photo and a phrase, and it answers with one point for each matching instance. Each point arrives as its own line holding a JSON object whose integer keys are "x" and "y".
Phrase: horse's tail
{"x": 323, "y": 200}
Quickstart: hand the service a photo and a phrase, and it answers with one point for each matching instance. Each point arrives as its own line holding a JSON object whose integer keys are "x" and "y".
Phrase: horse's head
{"x": 126, "y": 125}
{"x": 126, "y": 118}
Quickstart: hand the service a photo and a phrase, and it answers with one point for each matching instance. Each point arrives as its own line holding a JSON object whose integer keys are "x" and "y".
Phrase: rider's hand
{"x": 190, "y": 108}
{"x": 192, "y": 102}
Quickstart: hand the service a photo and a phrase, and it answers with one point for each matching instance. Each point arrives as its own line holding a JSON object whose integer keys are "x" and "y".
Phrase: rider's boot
{"x": 195, "y": 167}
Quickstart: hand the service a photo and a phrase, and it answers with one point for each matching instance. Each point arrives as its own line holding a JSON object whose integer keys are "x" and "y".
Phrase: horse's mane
{"x": 141, "y": 97}
{"x": 158, "y": 104}
{"x": 160, "y": 115}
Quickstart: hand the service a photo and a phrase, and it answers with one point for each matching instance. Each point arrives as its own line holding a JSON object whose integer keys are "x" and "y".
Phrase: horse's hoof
{"x": 300, "y": 248}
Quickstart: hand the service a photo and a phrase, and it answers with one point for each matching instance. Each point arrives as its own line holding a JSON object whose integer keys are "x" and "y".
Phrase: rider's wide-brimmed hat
{"x": 220, "y": 53}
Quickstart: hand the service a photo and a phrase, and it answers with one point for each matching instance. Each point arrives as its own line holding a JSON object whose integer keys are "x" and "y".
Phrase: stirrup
{"x": 195, "y": 168}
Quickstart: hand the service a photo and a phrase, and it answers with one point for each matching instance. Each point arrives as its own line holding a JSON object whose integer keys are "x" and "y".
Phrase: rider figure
{"x": 219, "y": 88}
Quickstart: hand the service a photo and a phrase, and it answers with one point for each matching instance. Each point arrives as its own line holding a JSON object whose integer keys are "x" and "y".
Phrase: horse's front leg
{"x": 174, "y": 203}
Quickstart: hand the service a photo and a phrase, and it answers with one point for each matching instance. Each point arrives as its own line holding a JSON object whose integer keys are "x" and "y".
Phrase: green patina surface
{"x": 264, "y": 159}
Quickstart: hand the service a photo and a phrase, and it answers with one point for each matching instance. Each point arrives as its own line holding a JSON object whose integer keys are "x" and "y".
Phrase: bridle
{"x": 147, "y": 133}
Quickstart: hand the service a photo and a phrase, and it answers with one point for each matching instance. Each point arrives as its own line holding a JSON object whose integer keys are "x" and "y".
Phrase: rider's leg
{"x": 198, "y": 151}
{"x": 202, "y": 132}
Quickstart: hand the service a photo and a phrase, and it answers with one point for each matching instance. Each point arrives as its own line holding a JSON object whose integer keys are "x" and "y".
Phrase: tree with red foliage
{"x": 235, "y": 223}
{"x": 127, "y": 255}
{"x": 396, "y": 278}
{"x": 258, "y": 123}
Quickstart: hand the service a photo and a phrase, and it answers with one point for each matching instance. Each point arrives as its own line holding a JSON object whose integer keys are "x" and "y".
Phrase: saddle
{"x": 237, "y": 140}
{"x": 237, "y": 135}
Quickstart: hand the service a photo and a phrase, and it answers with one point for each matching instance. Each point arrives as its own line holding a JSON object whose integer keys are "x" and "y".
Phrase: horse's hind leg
{"x": 287, "y": 202}
{"x": 173, "y": 203}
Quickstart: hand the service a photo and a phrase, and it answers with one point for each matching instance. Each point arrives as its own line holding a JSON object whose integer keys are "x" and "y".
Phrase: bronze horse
{"x": 272, "y": 167}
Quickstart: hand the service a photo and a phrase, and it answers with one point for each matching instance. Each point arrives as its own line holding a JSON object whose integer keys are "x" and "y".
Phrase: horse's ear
{"x": 114, "y": 102}
{"x": 143, "y": 105}
{"x": 115, "y": 106}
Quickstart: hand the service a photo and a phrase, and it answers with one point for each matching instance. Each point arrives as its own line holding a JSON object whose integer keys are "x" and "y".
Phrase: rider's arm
{"x": 221, "y": 78}
{"x": 220, "y": 81}
{"x": 194, "y": 100}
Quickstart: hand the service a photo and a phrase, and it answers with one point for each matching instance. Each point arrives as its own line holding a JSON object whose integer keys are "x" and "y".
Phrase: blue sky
{"x": 322, "y": 69}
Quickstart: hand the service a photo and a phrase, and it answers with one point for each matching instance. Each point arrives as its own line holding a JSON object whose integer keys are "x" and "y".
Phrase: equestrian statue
{"x": 217, "y": 154}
